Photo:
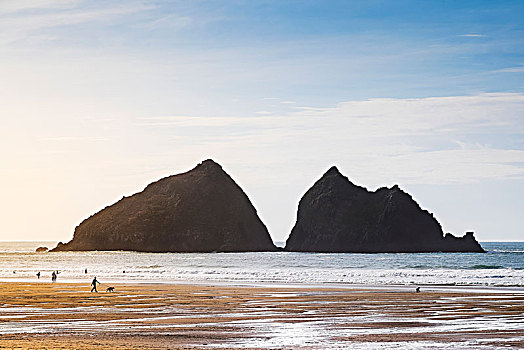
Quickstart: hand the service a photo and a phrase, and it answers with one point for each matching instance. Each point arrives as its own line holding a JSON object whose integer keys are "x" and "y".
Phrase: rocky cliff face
{"x": 202, "y": 210}
{"x": 337, "y": 216}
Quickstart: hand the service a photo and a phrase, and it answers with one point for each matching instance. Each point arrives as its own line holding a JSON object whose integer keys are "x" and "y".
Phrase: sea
{"x": 502, "y": 266}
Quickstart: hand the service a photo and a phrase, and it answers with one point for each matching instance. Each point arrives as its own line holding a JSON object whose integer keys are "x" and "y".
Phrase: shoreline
{"x": 205, "y": 316}
{"x": 402, "y": 287}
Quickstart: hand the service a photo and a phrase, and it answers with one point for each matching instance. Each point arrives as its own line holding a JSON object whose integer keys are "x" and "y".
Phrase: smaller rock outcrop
{"x": 336, "y": 215}
{"x": 466, "y": 243}
{"x": 41, "y": 249}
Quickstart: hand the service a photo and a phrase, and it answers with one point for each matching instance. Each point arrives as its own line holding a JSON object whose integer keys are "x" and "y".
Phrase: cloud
{"x": 472, "y": 35}
{"x": 73, "y": 139}
{"x": 468, "y": 164}
{"x": 16, "y": 25}
{"x": 382, "y": 140}
{"x": 464, "y": 114}
{"x": 188, "y": 121}
{"x": 12, "y": 6}
{"x": 172, "y": 21}
{"x": 510, "y": 70}
{"x": 382, "y": 117}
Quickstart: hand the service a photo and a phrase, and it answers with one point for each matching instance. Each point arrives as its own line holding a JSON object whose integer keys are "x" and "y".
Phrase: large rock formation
{"x": 337, "y": 216}
{"x": 202, "y": 210}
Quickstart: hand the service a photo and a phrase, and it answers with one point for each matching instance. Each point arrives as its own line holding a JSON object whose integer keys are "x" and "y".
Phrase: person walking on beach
{"x": 38, "y": 275}
{"x": 95, "y": 281}
{"x": 53, "y": 277}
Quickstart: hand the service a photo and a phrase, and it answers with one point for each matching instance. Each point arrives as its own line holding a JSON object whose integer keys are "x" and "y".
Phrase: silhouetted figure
{"x": 94, "y": 284}
{"x": 417, "y": 290}
{"x": 53, "y": 277}
{"x": 86, "y": 271}
{"x": 38, "y": 275}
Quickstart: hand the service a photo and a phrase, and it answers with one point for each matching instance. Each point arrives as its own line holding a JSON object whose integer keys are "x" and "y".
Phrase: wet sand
{"x": 167, "y": 316}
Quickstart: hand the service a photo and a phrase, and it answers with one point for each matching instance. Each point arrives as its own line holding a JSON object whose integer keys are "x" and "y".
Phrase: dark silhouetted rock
{"x": 337, "y": 216}
{"x": 41, "y": 249}
{"x": 202, "y": 210}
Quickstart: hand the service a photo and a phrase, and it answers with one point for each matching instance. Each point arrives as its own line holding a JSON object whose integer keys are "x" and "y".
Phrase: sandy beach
{"x": 173, "y": 316}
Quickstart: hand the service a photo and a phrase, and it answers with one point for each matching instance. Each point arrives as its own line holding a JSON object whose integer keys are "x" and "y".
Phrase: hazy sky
{"x": 100, "y": 98}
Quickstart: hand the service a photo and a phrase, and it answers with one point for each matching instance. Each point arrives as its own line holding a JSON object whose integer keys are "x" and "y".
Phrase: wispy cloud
{"x": 187, "y": 121}
{"x": 473, "y": 35}
{"x": 74, "y": 139}
{"x": 510, "y": 70}
{"x": 12, "y": 6}
{"x": 16, "y": 24}
{"x": 170, "y": 21}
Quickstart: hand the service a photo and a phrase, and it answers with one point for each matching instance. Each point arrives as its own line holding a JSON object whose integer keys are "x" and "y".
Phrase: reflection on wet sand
{"x": 196, "y": 316}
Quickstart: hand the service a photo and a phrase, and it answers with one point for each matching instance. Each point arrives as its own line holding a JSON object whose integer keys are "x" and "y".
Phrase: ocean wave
{"x": 506, "y": 251}
{"x": 150, "y": 267}
{"x": 486, "y": 267}
{"x": 419, "y": 267}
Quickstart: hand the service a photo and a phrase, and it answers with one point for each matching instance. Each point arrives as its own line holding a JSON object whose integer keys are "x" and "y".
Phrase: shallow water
{"x": 316, "y": 318}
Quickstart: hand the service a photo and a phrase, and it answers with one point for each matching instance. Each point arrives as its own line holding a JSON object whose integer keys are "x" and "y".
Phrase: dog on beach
{"x": 110, "y": 289}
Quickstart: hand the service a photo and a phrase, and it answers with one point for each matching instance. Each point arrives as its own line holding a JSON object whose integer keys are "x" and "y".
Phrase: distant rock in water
{"x": 202, "y": 210}
{"x": 337, "y": 216}
{"x": 41, "y": 249}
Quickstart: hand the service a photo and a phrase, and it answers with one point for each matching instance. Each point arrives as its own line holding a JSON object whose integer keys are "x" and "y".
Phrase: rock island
{"x": 336, "y": 215}
{"x": 202, "y": 210}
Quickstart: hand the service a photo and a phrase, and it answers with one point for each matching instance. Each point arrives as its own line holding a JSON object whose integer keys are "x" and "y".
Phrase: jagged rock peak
{"x": 208, "y": 164}
{"x": 333, "y": 177}
{"x": 398, "y": 192}
{"x": 333, "y": 171}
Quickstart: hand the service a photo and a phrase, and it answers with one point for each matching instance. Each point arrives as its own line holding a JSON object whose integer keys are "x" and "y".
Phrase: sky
{"x": 100, "y": 98}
